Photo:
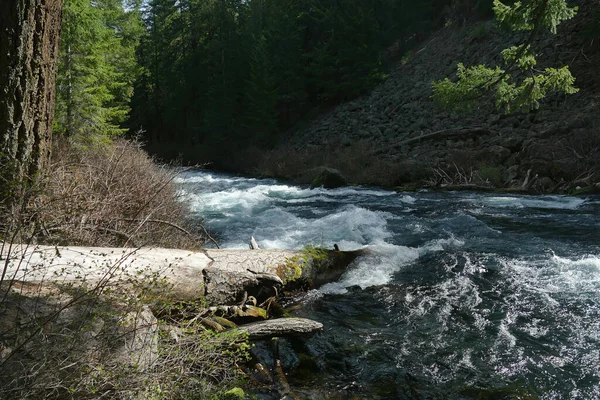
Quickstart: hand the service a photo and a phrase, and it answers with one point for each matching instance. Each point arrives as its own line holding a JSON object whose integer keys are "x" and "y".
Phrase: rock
{"x": 140, "y": 341}
{"x": 345, "y": 141}
{"x": 544, "y": 184}
{"x": 512, "y": 173}
{"x": 493, "y": 118}
{"x": 329, "y": 178}
{"x": 513, "y": 143}
{"x": 577, "y": 123}
{"x": 281, "y": 327}
{"x": 497, "y": 153}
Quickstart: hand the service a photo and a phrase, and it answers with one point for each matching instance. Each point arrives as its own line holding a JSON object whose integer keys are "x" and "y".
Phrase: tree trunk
{"x": 29, "y": 34}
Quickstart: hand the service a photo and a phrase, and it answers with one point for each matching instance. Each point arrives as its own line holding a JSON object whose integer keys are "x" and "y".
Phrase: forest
{"x": 217, "y": 72}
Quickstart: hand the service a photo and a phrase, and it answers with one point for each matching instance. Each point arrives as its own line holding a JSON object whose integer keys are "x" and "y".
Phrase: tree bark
{"x": 282, "y": 327}
{"x": 29, "y": 35}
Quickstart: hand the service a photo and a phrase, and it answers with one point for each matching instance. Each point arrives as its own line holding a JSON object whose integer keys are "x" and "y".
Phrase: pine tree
{"x": 284, "y": 36}
{"x": 343, "y": 60}
{"x": 261, "y": 94}
{"x": 96, "y": 68}
{"x": 531, "y": 86}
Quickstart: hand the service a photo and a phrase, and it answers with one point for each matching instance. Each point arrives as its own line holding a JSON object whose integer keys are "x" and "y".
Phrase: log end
{"x": 314, "y": 267}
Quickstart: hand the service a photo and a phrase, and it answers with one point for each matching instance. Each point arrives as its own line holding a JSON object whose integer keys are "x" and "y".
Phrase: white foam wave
{"x": 275, "y": 228}
{"x": 243, "y": 199}
{"x": 442, "y": 244}
{"x": 557, "y": 274}
{"x": 354, "y": 191}
{"x": 204, "y": 177}
{"x": 549, "y": 202}
{"x": 375, "y": 269}
{"x": 382, "y": 261}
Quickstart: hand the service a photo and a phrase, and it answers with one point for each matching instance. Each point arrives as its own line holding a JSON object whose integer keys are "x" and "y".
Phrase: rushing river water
{"x": 464, "y": 295}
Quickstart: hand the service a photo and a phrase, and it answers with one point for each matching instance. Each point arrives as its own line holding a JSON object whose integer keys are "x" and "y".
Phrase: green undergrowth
{"x": 113, "y": 339}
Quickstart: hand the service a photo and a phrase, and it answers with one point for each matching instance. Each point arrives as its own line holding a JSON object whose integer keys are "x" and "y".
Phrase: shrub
{"x": 109, "y": 195}
{"x": 492, "y": 175}
{"x": 100, "y": 339}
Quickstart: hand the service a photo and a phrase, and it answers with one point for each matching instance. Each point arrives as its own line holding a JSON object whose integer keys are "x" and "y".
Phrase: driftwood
{"x": 281, "y": 328}
{"x": 223, "y": 276}
{"x": 253, "y": 244}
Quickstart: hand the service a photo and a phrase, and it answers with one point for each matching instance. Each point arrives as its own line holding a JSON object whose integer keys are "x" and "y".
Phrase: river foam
{"x": 459, "y": 294}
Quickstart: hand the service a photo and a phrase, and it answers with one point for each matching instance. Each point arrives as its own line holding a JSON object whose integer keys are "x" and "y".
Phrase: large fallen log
{"x": 282, "y": 327}
{"x": 223, "y": 276}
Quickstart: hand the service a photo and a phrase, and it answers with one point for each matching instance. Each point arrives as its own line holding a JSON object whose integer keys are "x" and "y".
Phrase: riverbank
{"x": 151, "y": 305}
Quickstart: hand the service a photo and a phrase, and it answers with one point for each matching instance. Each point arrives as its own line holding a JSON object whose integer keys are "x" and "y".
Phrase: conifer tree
{"x": 261, "y": 94}
{"x": 283, "y": 33}
{"x": 517, "y": 85}
{"x": 96, "y": 68}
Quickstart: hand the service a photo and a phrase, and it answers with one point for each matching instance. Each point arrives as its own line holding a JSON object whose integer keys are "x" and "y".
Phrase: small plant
{"x": 406, "y": 57}
{"x": 490, "y": 175}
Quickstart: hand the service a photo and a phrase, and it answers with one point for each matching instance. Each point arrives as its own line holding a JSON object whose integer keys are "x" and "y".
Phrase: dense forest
{"x": 221, "y": 71}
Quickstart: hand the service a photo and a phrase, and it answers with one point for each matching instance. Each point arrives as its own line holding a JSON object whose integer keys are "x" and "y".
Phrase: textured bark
{"x": 281, "y": 328}
{"x": 29, "y": 34}
{"x": 223, "y": 276}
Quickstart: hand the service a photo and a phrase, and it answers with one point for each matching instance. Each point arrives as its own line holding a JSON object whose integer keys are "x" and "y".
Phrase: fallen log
{"x": 51, "y": 266}
{"x": 282, "y": 327}
{"x": 223, "y": 276}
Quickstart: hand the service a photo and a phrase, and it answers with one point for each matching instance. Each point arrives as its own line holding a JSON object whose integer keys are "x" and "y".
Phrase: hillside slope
{"x": 397, "y": 136}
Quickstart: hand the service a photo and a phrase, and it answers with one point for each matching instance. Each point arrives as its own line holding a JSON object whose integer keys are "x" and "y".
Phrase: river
{"x": 464, "y": 295}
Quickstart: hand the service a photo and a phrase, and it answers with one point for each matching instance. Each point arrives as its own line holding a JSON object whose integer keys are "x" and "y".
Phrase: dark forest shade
{"x": 221, "y": 72}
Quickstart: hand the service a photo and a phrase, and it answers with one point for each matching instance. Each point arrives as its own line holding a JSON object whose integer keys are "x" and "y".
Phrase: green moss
{"x": 592, "y": 189}
{"x": 291, "y": 270}
{"x": 234, "y": 394}
{"x": 408, "y": 187}
{"x": 315, "y": 254}
{"x": 492, "y": 175}
{"x": 294, "y": 266}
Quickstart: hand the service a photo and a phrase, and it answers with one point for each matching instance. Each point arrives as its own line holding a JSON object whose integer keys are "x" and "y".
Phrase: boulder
{"x": 329, "y": 178}
{"x": 326, "y": 177}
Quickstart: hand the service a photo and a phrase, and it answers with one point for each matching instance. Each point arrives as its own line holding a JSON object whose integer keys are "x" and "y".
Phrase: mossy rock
{"x": 315, "y": 267}
{"x": 234, "y": 394}
{"x": 409, "y": 187}
{"x": 329, "y": 178}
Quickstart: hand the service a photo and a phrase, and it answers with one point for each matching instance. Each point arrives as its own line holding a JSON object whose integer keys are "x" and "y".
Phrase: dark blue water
{"x": 464, "y": 295}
